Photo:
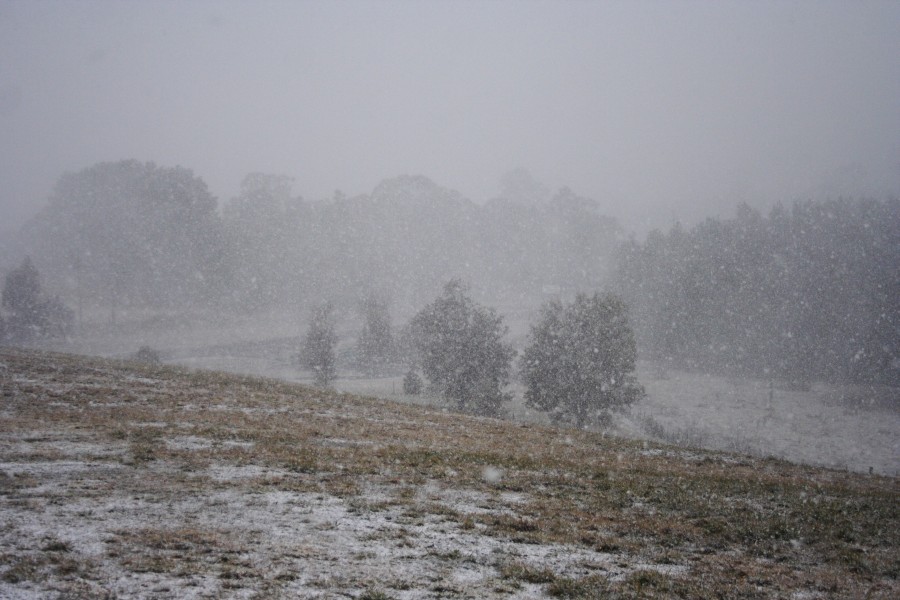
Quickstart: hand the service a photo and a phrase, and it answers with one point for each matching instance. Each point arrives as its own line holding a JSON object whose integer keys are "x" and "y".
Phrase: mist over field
{"x": 486, "y": 299}
{"x": 658, "y": 111}
{"x": 693, "y": 206}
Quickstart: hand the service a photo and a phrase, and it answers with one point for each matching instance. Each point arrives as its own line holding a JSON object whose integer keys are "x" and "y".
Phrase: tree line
{"x": 132, "y": 234}
{"x": 806, "y": 292}
{"x": 810, "y": 292}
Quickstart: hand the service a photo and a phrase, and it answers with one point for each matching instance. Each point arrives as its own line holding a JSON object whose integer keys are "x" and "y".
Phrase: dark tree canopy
{"x": 462, "y": 351}
{"x": 810, "y": 292}
{"x": 581, "y": 359}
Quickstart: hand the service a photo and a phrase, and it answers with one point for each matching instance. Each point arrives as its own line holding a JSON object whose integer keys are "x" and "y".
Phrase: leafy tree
{"x": 376, "y": 343}
{"x": 462, "y": 350}
{"x": 132, "y": 233}
{"x": 30, "y": 313}
{"x": 581, "y": 359}
{"x": 318, "y": 346}
{"x": 264, "y": 228}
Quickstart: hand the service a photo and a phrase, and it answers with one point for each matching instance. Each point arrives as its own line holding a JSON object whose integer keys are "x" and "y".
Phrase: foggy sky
{"x": 658, "y": 110}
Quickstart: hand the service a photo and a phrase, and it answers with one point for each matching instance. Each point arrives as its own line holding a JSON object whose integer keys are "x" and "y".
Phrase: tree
{"x": 318, "y": 346}
{"x": 264, "y": 229}
{"x": 22, "y": 293}
{"x": 132, "y": 233}
{"x": 376, "y": 344}
{"x": 520, "y": 186}
{"x": 581, "y": 359}
{"x": 462, "y": 352}
{"x": 31, "y": 315}
{"x": 804, "y": 293}
{"x": 412, "y": 383}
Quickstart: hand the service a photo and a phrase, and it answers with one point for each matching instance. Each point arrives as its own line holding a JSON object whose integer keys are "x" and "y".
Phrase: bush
{"x": 148, "y": 355}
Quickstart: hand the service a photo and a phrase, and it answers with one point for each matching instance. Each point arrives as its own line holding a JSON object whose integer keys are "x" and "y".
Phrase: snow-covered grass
{"x": 129, "y": 480}
{"x": 845, "y": 427}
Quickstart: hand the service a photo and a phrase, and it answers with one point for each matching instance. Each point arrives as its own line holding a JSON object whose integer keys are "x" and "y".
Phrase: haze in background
{"x": 659, "y": 111}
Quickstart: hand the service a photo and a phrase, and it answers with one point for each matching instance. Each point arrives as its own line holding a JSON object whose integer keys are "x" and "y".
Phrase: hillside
{"x": 129, "y": 480}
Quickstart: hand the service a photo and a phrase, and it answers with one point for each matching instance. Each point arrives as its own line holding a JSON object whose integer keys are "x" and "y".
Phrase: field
{"x": 126, "y": 480}
{"x": 838, "y": 426}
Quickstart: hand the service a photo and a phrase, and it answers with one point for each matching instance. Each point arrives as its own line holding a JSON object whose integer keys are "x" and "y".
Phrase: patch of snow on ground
{"x": 812, "y": 427}
{"x": 234, "y": 473}
{"x": 298, "y": 536}
{"x": 188, "y": 442}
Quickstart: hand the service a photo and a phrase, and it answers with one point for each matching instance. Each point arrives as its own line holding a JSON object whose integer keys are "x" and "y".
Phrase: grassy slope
{"x": 155, "y": 482}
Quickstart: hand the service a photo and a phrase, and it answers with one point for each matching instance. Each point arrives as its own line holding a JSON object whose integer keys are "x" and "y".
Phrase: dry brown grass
{"x": 143, "y": 459}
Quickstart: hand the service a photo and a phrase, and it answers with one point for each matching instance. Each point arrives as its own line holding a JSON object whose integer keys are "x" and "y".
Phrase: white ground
{"x": 92, "y": 524}
{"x": 298, "y": 539}
{"x": 849, "y": 427}
{"x": 846, "y": 427}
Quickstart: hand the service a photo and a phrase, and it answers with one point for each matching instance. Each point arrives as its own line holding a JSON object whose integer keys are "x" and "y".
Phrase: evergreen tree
{"x": 318, "y": 346}
{"x": 22, "y": 294}
{"x": 581, "y": 359}
{"x": 30, "y": 314}
{"x": 412, "y": 383}
{"x": 462, "y": 351}
{"x": 376, "y": 343}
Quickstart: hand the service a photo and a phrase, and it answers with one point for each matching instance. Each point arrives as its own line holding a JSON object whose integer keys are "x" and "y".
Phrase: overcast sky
{"x": 658, "y": 110}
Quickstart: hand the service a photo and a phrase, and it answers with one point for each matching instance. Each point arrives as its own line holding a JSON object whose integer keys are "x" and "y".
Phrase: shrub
{"x": 148, "y": 355}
